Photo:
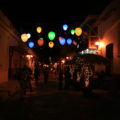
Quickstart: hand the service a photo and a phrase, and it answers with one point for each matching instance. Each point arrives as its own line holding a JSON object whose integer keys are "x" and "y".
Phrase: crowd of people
{"x": 26, "y": 75}
{"x": 68, "y": 77}
{"x": 77, "y": 78}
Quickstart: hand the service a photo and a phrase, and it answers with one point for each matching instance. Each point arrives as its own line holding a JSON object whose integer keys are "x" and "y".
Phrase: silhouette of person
{"x": 75, "y": 76}
{"x": 24, "y": 79}
{"x": 36, "y": 74}
{"x": 46, "y": 72}
{"x": 29, "y": 78}
{"x": 60, "y": 79}
{"x": 67, "y": 77}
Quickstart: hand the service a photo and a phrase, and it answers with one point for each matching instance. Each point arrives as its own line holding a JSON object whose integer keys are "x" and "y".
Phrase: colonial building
{"x": 13, "y": 52}
{"x": 103, "y": 32}
{"x": 109, "y": 34}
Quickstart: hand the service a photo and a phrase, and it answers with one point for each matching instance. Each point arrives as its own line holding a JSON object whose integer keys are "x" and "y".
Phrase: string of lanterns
{"x": 51, "y": 36}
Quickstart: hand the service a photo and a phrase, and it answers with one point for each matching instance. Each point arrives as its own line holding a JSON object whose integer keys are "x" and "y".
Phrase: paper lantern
{"x": 69, "y": 41}
{"x": 72, "y": 31}
{"x": 31, "y": 44}
{"x": 24, "y": 37}
{"x": 51, "y": 44}
{"x": 62, "y": 41}
{"x": 40, "y": 42}
{"x": 51, "y": 35}
{"x": 39, "y": 29}
{"x": 65, "y": 27}
{"x": 78, "y": 31}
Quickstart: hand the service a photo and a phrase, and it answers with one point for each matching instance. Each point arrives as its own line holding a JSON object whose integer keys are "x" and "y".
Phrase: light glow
{"x": 31, "y": 44}
{"x": 39, "y": 29}
{"x": 51, "y": 35}
{"x": 72, "y": 31}
{"x": 69, "y": 41}
{"x": 51, "y": 44}
{"x": 65, "y": 27}
{"x": 24, "y": 37}
{"x": 40, "y": 42}
{"x": 62, "y": 41}
{"x": 78, "y": 31}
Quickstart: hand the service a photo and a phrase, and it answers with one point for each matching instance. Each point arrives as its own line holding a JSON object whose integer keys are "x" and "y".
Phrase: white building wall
{"x": 4, "y": 52}
{"x": 110, "y": 24}
{"x": 7, "y": 38}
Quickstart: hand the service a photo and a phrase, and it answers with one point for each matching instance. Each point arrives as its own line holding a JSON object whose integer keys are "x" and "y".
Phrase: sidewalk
{"x": 9, "y": 89}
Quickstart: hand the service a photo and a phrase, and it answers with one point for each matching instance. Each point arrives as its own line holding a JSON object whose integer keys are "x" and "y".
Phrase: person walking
{"x": 67, "y": 78}
{"x": 46, "y": 73}
{"x": 60, "y": 78}
{"x": 36, "y": 74}
{"x": 24, "y": 79}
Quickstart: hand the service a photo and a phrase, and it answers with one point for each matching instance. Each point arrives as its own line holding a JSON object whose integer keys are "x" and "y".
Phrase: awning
{"x": 91, "y": 58}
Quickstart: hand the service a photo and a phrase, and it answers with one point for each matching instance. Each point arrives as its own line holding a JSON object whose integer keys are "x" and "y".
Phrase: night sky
{"x": 51, "y": 16}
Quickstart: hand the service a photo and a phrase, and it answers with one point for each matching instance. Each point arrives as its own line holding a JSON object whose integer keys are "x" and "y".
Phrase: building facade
{"x": 103, "y": 33}
{"x": 13, "y": 52}
{"x": 109, "y": 34}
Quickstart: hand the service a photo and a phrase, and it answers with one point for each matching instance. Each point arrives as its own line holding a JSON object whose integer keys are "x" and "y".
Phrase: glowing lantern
{"x": 59, "y": 38}
{"x": 78, "y": 31}
{"x": 69, "y": 41}
{"x": 65, "y": 27}
{"x": 40, "y": 42}
{"x": 74, "y": 43}
{"x": 28, "y": 35}
{"x": 24, "y": 37}
{"x": 72, "y": 31}
{"x": 51, "y": 35}
{"x": 102, "y": 44}
{"x": 51, "y": 44}
{"x": 62, "y": 41}
{"x": 97, "y": 43}
{"x": 31, "y": 44}
{"x": 39, "y": 29}
{"x": 63, "y": 61}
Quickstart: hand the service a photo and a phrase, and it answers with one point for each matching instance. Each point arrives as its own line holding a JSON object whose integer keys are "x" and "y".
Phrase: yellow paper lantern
{"x": 39, "y": 29}
{"x": 51, "y": 44}
{"x": 78, "y": 31}
{"x": 24, "y": 37}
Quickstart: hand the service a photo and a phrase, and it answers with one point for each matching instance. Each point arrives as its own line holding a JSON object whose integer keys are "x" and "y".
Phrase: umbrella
{"x": 91, "y": 58}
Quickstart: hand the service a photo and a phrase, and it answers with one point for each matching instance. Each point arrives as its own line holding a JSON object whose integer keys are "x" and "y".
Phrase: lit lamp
{"x": 101, "y": 44}
{"x": 63, "y": 61}
{"x": 39, "y": 29}
{"x": 78, "y": 31}
{"x": 69, "y": 41}
{"x": 65, "y": 27}
{"x": 51, "y": 44}
{"x": 72, "y": 31}
{"x": 24, "y": 37}
{"x": 28, "y": 35}
{"x": 97, "y": 44}
{"x": 40, "y": 42}
{"x": 31, "y": 44}
{"x": 51, "y": 35}
{"x": 62, "y": 41}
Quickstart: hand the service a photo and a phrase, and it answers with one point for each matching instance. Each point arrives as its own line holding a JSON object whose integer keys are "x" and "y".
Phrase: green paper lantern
{"x": 51, "y": 35}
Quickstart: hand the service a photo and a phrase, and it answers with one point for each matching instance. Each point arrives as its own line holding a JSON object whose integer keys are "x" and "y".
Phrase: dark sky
{"x": 26, "y": 16}
{"x": 53, "y": 11}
